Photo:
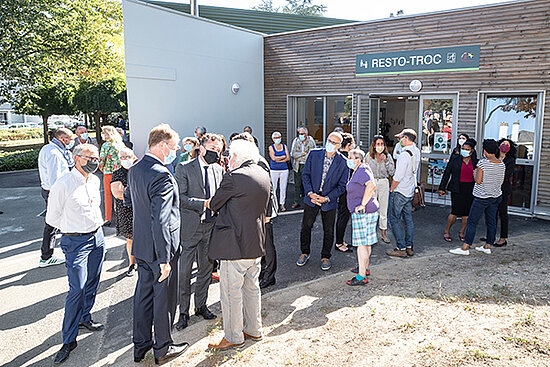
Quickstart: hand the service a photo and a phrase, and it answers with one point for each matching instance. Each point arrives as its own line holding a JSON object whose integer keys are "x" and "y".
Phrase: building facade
{"x": 484, "y": 71}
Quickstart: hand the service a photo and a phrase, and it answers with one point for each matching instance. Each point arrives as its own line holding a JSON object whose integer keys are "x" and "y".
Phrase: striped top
{"x": 493, "y": 175}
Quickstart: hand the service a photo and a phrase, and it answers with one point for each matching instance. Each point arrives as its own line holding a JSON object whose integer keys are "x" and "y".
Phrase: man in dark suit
{"x": 324, "y": 178}
{"x": 197, "y": 181}
{"x": 238, "y": 242}
{"x": 153, "y": 193}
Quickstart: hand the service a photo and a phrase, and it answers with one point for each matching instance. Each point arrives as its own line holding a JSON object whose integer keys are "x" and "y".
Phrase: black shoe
{"x": 173, "y": 351}
{"x": 91, "y": 325}
{"x": 183, "y": 321}
{"x": 64, "y": 352}
{"x": 107, "y": 224}
{"x": 483, "y": 239}
{"x": 139, "y": 358}
{"x": 496, "y": 244}
{"x": 131, "y": 270}
{"x": 266, "y": 283}
{"x": 205, "y": 312}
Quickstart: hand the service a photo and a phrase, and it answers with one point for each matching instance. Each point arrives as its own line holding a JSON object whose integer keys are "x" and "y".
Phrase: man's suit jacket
{"x": 335, "y": 182}
{"x": 241, "y": 202}
{"x": 193, "y": 194}
{"x": 152, "y": 192}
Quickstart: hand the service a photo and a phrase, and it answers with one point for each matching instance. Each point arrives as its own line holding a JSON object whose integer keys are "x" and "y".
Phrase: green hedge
{"x": 20, "y": 134}
{"x": 20, "y": 159}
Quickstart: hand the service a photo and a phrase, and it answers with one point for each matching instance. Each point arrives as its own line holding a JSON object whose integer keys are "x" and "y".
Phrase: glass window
{"x": 437, "y": 125}
{"x": 339, "y": 113}
{"x": 310, "y": 115}
{"x": 512, "y": 117}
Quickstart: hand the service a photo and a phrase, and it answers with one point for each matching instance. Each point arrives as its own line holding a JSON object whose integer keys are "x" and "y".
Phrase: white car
{"x": 19, "y": 126}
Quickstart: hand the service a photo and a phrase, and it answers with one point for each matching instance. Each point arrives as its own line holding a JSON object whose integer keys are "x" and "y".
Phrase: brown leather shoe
{"x": 255, "y": 338}
{"x": 409, "y": 251}
{"x": 224, "y": 344}
{"x": 396, "y": 253}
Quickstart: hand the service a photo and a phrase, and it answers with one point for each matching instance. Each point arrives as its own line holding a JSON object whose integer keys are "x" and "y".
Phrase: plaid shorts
{"x": 364, "y": 229}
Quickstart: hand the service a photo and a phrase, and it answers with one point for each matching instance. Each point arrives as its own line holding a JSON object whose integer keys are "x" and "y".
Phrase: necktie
{"x": 207, "y": 190}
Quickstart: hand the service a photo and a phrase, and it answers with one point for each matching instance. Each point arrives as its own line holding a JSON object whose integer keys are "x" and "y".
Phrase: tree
{"x": 101, "y": 98}
{"x": 47, "y": 40}
{"x": 517, "y": 104}
{"x": 46, "y": 100}
{"x": 299, "y": 7}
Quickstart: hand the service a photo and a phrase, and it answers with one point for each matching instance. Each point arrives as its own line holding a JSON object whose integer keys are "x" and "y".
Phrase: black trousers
{"x": 310, "y": 215}
{"x": 269, "y": 261}
{"x": 48, "y": 237}
{"x": 502, "y": 213}
{"x": 343, "y": 218}
{"x": 154, "y": 303}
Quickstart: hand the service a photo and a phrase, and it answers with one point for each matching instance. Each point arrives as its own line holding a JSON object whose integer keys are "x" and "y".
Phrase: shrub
{"x": 20, "y": 159}
{"x": 20, "y": 134}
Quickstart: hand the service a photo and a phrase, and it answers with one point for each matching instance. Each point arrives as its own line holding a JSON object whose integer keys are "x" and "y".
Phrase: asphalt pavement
{"x": 31, "y": 310}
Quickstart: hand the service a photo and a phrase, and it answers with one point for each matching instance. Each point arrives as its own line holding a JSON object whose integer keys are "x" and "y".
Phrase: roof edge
{"x": 168, "y": 10}
{"x": 475, "y": 7}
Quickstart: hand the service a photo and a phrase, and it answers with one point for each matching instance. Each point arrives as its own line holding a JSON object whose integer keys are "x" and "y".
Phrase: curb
{"x": 19, "y": 171}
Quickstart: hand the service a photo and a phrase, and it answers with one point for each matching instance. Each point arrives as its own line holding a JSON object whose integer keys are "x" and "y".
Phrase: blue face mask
{"x": 70, "y": 145}
{"x": 302, "y": 137}
{"x": 350, "y": 163}
{"x": 465, "y": 153}
{"x": 331, "y": 148}
{"x": 277, "y": 141}
{"x": 170, "y": 157}
{"x": 84, "y": 136}
{"x": 188, "y": 147}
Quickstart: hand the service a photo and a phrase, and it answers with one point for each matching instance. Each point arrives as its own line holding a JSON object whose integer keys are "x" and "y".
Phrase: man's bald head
{"x": 336, "y": 137}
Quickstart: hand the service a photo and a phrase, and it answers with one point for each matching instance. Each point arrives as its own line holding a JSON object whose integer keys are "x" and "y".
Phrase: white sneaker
{"x": 51, "y": 261}
{"x": 459, "y": 251}
{"x": 483, "y": 249}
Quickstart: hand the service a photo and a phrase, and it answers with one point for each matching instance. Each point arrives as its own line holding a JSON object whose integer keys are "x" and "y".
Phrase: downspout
{"x": 194, "y": 8}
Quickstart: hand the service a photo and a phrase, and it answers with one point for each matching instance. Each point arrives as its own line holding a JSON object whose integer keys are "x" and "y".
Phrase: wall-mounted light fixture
{"x": 235, "y": 88}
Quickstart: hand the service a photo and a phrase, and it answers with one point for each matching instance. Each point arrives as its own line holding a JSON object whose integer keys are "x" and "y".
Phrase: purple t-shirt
{"x": 356, "y": 189}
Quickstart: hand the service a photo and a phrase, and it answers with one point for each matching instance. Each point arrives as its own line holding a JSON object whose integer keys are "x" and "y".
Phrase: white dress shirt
{"x": 404, "y": 171}
{"x": 211, "y": 182}
{"x": 73, "y": 204}
{"x": 51, "y": 165}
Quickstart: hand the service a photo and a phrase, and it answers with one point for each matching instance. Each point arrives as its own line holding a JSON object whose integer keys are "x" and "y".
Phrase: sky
{"x": 360, "y": 9}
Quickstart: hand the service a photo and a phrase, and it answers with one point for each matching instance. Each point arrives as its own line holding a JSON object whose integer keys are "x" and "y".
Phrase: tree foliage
{"x": 299, "y": 7}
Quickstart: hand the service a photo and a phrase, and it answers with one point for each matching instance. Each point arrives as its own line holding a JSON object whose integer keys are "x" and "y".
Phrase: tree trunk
{"x": 98, "y": 128}
{"x": 45, "y": 127}
{"x": 86, "y": 124}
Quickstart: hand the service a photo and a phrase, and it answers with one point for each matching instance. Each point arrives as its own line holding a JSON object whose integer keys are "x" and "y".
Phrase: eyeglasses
{"x": 93, "y": 159}
{"x": 333, "y": 142}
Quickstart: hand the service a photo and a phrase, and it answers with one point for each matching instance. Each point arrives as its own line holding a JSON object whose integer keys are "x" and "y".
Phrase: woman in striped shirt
{"x": 488, "y": 177}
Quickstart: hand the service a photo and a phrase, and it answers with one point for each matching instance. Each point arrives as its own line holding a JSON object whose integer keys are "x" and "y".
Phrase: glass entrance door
{"x": 368, "y": 110}
{"x": 437, "y": 137}
{"x": 515, "y": 117}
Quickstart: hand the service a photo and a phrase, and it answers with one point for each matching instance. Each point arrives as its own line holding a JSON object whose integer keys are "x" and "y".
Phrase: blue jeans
{"x": 83, "y": 260}
{"x": 400, "y": 207}
{"x": 480, "y": 206}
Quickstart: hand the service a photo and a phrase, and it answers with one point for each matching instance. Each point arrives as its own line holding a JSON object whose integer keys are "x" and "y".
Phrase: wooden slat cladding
{"x": 515, "y": 55}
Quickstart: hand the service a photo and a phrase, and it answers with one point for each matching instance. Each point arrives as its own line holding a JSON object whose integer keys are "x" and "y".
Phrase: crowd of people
{"x": 211, "y": 201}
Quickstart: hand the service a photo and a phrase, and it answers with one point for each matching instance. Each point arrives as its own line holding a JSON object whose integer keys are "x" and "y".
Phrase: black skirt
{"x": 462, "y": 201}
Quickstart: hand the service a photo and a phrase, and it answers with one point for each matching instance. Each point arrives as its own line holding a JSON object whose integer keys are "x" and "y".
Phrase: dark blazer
{"x": 335, "y": 182}
{"x": 451, "y": 177}
{"x": 241, "y": 202}
{"x": 152, "y": 192}
{"x": 192, "y": 193}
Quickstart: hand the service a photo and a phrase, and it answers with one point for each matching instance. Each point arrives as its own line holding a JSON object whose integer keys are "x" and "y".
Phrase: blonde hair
{"x": 162, "y": 132}
{"x": 112, "y": 135}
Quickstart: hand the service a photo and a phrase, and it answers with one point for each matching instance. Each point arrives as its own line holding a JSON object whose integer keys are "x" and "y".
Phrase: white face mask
{"x": 379, "y": 149}
{"x": 127, "y": 163}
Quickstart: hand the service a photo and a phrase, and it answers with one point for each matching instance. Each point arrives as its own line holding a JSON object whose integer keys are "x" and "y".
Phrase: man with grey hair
{"x": 82, "y": 137}
{"x": 74, "y": 208}
{"x": 301, "y": 146}
{"x": 238, "y": 243}
{"x": 54, "y": 161}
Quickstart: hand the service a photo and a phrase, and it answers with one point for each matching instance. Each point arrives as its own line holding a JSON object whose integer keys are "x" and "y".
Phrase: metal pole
{"x": 194, "y": 8}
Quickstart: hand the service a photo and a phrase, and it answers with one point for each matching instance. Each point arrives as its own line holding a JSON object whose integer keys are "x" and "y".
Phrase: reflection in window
{"x": 512, "y": 117}
{"x": 437, "y": 125}
{"x": 339, "y": 113}
{"x": 310, "y": 115}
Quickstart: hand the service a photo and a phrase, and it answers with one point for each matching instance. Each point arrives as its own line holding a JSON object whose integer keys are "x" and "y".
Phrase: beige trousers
{"x": 240, "y": 296}
{"x": 383, "y": 197}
